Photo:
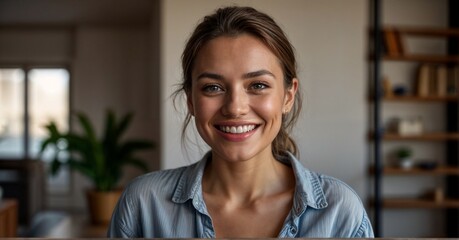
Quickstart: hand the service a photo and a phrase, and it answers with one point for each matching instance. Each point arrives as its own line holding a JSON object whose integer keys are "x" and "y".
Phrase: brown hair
{"x": 232, "y": 21}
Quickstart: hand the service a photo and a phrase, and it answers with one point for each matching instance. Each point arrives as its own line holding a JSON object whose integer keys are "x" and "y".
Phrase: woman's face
{"x": 238, "y": 96}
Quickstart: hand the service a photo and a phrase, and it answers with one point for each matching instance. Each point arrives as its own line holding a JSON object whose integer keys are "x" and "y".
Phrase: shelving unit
{"x": 448, "y": 169}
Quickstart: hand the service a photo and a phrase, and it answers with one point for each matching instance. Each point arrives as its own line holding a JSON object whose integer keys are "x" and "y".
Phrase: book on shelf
{"x": 423, "y": 80}
{"x": 436, "y": 80}
{"x": 452, "y": 81}
{"x": 393, "y": 44}
{"x": 441, "y": 80}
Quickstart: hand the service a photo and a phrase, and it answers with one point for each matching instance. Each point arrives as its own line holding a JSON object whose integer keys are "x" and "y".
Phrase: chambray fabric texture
{"x": 170, "y": 204}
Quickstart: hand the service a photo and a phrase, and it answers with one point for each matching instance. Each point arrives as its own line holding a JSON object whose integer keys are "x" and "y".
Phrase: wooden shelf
{"x": 402, "y": 32}
{"x": 421, "y": 99}
{"x": 438, "y": 171}
{"x": 426, "y": 31}
{"x": 423, "y": 58}
{"x": 419, "y": 203}
{"x": 422, "y": 137}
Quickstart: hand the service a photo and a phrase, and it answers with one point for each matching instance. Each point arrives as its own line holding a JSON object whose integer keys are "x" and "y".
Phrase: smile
{"x": 237, "y": 129}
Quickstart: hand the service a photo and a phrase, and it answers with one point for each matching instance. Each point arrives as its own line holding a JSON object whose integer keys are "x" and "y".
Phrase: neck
{"x": 247, "y": 180}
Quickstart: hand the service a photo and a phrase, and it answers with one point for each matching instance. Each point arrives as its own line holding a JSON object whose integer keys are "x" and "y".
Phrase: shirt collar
{"x": 308, "y": 190}
{"x": 189, "y": 185}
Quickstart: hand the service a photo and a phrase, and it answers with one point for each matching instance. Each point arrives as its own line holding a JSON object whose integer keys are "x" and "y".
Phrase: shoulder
{"x": 143, "y": 199}
{"x": 155, "y": 180}
{"x": 346, "y": 207}
{"x": 322, "y": 190}
{"x": 326, "y": 206}
{"x": 338, "y": 192}
{"x": 164, "y": 184}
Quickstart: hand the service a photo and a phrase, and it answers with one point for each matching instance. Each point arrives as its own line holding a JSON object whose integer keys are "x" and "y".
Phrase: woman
{"x": 241, "y": 88}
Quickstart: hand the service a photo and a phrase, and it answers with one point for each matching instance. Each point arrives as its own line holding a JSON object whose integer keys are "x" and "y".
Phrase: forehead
{"x": 242, "y": 52}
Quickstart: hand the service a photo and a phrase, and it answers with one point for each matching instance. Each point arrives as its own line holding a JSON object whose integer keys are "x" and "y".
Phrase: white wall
{"x": 330, "y": 41}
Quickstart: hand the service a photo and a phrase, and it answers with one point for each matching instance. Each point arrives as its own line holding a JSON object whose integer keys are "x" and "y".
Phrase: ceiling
{"x": 63, "y": 12}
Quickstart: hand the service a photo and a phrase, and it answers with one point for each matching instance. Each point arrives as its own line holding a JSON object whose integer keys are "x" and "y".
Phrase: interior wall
{"x": 330, "y": 41}
{"x": 111, "y": 70}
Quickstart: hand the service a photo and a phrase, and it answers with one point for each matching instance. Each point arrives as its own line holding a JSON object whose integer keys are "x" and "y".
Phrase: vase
{"x": 406, "y": 163}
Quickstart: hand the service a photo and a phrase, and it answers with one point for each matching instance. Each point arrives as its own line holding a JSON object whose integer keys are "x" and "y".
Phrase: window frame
{"x": 26, "y": 138}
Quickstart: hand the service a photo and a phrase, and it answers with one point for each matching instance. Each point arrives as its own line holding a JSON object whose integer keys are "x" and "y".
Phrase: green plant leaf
{"x": 55, "y": 166}
{"x": 123, "y": 125}
{"x": 101, "y": 160}
{"x": 129, "y": 147}
{"x": 87, "y": 127}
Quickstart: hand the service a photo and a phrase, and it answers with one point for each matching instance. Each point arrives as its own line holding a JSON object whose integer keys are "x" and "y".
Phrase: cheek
{"x": 204, "y": 109}
{"x": 270, "y": 108}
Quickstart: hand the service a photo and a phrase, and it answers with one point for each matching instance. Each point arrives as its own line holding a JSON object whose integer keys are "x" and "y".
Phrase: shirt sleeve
{"x": 123, "y": 217}
{"x": 365, "y": 230}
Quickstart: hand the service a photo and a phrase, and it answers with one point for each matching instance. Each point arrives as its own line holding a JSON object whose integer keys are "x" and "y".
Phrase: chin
{"x": 234, "y": 156}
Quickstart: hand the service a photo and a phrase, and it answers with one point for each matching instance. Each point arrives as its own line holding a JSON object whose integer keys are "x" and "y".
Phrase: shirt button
{"x": 293, "y": 230}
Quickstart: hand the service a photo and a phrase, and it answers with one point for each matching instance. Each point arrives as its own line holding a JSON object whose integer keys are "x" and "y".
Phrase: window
{"x": 41, "y": 94}
{"x": 12, "y": 87}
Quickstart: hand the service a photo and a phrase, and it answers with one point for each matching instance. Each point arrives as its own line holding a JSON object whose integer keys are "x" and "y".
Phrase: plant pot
{"x": 406, "y": 163}
{"x": 101, "y": 205}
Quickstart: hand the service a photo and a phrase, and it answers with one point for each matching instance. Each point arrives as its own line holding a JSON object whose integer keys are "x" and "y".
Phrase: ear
{"x": 189, "y": 103}
{"x": 289, "y": 98}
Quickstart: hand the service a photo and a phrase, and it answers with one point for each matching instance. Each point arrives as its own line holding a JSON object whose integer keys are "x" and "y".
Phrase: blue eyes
{"x": 215, "y": 88}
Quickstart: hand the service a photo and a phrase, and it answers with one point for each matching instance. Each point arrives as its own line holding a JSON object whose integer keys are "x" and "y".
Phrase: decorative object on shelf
{"x": 437, "y": 195}
{"x": 100, "y": 159}
{"x": 387, "y": 88}
{"x": 427, "y": 164}
{"x": 406, "y": 126}
{"x": 412, "y": 126}
{"x": 404, "y": 156}
{"x": 400, "y": 90}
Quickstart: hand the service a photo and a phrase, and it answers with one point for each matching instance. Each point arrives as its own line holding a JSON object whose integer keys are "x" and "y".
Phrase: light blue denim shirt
{"x": 170, "y": 204}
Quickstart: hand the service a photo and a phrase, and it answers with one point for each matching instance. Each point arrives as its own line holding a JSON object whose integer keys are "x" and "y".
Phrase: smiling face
{"x": 238, "y": 97}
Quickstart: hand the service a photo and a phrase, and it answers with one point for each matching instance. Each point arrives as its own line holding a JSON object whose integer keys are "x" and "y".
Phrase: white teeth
{"x": 237, "y": 129}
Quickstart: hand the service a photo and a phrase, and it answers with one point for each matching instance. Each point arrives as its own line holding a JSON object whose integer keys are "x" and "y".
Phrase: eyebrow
{"x": 258, "y": 73}
{"x": 210, "y": 75}
{"x": 245, "y": 76}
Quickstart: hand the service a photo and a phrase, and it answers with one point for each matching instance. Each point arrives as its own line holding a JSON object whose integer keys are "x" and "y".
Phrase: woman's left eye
{"x": 259, "y": 86}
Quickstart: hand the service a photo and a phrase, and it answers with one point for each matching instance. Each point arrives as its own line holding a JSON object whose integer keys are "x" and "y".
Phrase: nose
{"x": 236, "y": 103}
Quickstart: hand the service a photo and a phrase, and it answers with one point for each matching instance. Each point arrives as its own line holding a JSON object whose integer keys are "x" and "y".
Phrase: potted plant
{"x": 100, "y": 159}
{"x": 404, "y": 155}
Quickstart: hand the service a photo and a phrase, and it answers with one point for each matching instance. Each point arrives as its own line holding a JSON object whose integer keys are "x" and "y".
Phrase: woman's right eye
{"x": 212, "y": 89}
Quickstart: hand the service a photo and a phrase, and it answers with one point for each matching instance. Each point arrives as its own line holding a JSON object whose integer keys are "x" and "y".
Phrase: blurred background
{"x": 64, "y": 56}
